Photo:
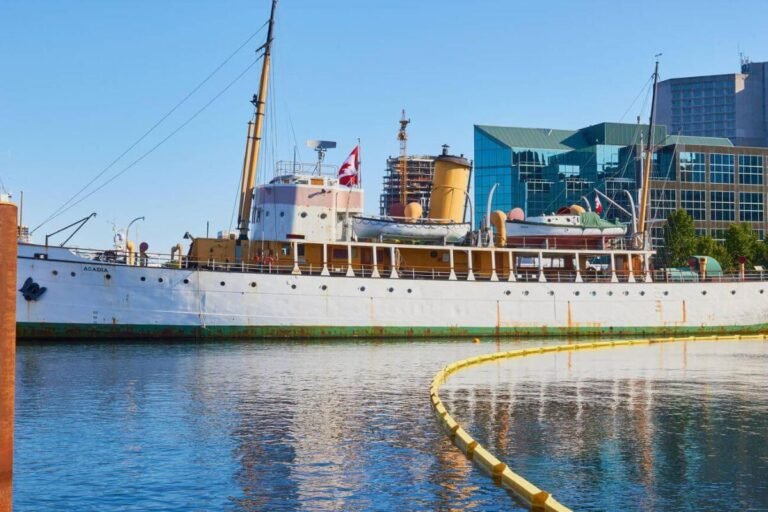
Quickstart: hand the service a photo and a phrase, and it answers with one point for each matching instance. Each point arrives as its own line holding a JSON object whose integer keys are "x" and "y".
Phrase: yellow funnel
{"x": 449, "y": 188}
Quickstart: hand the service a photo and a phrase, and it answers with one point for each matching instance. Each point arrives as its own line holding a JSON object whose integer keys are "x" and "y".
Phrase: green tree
{"x": 741, "y": 240}
{"x": 707, "y": 246}
{"x": 679, "y": 238}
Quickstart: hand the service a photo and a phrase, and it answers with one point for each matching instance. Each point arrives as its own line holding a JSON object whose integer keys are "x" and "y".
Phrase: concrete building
{"x": 733, "y": 105}
{"x": 541, "y": 170}
{"x": 421, "y": 170}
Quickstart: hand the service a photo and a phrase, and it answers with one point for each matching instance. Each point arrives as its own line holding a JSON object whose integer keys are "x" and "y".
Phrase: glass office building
{"x": 732, "y": 105}
{"x": 541, "y": 170}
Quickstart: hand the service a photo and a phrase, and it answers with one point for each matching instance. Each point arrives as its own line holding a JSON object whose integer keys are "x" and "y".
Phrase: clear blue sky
{"x": 82, "y": 80}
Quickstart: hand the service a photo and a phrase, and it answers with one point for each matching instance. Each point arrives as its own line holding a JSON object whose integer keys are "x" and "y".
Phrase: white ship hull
{"x": 80, "y": 301}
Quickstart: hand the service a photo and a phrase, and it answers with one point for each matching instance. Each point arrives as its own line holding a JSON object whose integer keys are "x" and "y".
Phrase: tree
{"x": 741, "y": 240}
{"x": 707, "y": 246}
{"x": 679, "y": 238}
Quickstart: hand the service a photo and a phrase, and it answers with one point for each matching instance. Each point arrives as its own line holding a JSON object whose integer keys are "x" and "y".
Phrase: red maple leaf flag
{"x": 598, "y": 205}
{"x": 348, "y": 170}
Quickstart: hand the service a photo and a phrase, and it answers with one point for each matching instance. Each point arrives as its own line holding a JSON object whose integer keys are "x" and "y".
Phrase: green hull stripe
{"x": 42, "y": 331}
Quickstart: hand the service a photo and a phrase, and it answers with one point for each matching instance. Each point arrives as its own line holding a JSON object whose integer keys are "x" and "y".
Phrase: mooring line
{"x": 532, "y": 496}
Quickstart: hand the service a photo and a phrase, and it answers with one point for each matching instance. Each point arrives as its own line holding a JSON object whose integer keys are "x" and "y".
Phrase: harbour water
{"x": 348, "y": 426}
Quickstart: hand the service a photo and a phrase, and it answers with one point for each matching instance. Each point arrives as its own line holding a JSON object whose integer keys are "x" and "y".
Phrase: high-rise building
{"x": 541, "y": 170}
{"x": 733, "y": 105}
{"x": 421, "y": 170}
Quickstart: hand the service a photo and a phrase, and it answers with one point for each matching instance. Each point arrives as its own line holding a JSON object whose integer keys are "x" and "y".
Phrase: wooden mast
{"x": 249, "y": 181}
{"x": 648, "y": 159}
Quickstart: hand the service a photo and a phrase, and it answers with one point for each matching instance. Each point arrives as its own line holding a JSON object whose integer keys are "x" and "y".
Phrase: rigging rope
{"x": 67, "y": 204}
{"x": 153, "y": 148}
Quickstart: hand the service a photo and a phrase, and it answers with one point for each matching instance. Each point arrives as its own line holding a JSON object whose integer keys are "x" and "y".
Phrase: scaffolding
{"x": 421, "y": 171}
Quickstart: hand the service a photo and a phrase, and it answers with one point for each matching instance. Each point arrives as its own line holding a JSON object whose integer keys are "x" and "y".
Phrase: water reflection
{"x": 240, "y": 427}
{"x": 667, "y": 427}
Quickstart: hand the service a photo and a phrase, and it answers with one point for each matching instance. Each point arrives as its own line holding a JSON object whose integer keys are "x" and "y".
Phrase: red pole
{"x": 8, "y": 249}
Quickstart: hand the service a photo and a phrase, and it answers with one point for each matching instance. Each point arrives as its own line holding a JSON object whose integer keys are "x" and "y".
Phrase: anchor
{"x": 31, "y": 290}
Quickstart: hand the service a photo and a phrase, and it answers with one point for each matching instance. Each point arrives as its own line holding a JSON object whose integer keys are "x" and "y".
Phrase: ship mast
{"x": 402, "y": 136}
{"x": 646, "y": 186}
{"x": 254, "y": 136}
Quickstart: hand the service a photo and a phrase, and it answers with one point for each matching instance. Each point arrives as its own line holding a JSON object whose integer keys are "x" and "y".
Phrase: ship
{"x": 306, "y": 262}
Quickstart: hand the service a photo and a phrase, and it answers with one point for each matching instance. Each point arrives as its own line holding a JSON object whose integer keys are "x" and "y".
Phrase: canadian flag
{"x": 348, "y": 170}
{"x": 598, "y": 205}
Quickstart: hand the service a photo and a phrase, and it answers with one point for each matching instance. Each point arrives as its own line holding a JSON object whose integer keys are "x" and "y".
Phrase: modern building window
{"x": 662, "y": 203}
{"x": 751, "y": 169}
{"x": 538, "y": 197}
{"x": 721, "y": 206}
{"x": 692, "y": 167}
{"x": 530, "y": 164}
{"x": 721, "y": 168}
{"x": 751, "y": 206}
{"x": 695, "y": 203}
{"x": 718, "y": 235}
{"x": 568, "y": 171}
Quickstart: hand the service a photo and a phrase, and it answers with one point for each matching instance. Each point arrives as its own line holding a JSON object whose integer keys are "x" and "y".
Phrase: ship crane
{"x": 402, "y": 136}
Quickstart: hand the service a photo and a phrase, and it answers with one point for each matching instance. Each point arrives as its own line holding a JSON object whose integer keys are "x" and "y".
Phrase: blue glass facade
{"x": 541, "y": 170}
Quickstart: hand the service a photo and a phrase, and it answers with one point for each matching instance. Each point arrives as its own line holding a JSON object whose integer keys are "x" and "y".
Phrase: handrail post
{"x": 631, "y": 278}
{"x": 579, "y": 279}
{"x": 393, "y": 274}
{"x": 647, "y": 269}
{"x": 452, "y": 275}
{"x": 350, "y": 272}
{"x": 614, "y": 277}
{"x": 470, "y": 274}
{"x": 295, "y": 248}
{"x": 512, "y": 277}
{"x": 375, "y": 271}
{"x": 494, "y": 276}
{"x": 542, "y": 277}
{"x": 324, "y": 271}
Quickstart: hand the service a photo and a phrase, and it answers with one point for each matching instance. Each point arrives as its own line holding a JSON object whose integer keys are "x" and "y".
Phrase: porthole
{"x": 593, "y": 293}
{"x": 526, "y": 292}
{"x": 391, "y": 289}
{"x": 507, "y": 292}
{"x": 159, "y": 279}
{"x": 55, "y": 272}
{"x": 293, "y": 286}
{"x": 666, "y": 293}
{"x": 610, "y": 294}
{"x": 143, "y": 278}
{"x": 704, "y": 292}
{"x": 282, "y": 214}
{"x": 733, "y": 292}
{"x": 762, "y": 291}
{"x": 625, "y": 293}
{"x": 253, "y": 285}
{"x": 72, "y": 274}
{"x": 324, "y": 287}
{"x": 409, "y": 290}
{"x": 107, "y": 276}
{"x": 551, "y": 292}
{"x": 186, "y": 281}
{"x": 222, "y": 283}
{"x": 577, "y": 293}
{"x": 642, "y": 293}
{"x": 362, "y": 288}
{"x": 323, "y": 215}
{"x": 303, "y": 215}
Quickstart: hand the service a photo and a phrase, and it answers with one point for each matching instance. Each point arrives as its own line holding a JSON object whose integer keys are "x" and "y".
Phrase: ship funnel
{"x": 449, "y": 187}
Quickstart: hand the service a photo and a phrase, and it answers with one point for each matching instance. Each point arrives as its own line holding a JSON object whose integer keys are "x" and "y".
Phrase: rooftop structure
{"x": 732, "y": 105}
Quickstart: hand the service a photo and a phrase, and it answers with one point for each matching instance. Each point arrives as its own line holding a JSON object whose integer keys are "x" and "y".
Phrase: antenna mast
{"x": 259, "y": 101}
{"x": 402, "y": 136}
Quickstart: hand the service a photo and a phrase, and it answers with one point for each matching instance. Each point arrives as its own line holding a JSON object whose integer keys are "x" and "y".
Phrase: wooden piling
{"x": 8, "y": 250}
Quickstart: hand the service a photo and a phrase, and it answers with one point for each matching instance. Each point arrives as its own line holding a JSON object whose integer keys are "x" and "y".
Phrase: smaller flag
{"x": 348, "y": 170}
{"x": 598, "y": 205}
